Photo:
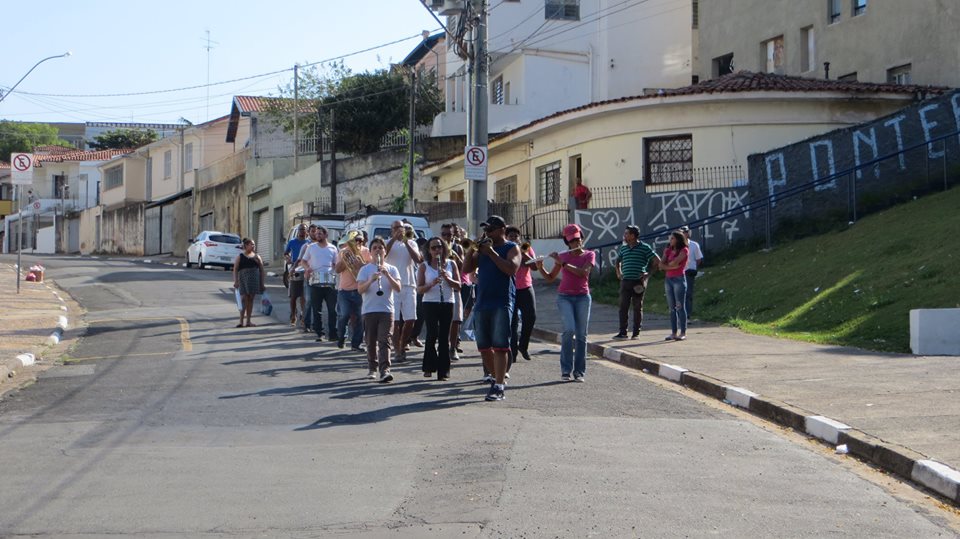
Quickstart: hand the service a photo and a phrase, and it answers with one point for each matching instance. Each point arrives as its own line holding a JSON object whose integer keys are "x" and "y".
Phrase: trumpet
{"x": 408, "y": 233}
{"x": 466, "y": 243}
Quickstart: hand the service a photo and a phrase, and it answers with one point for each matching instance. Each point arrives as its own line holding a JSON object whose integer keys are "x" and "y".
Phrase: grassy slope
{"x": 852, "y": 287}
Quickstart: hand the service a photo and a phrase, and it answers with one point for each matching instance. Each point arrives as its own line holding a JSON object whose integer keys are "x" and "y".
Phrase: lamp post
{"x": 17, "y": 192}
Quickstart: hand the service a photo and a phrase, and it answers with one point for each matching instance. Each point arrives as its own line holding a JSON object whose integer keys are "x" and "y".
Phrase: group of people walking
{"x": 387, "y": 292}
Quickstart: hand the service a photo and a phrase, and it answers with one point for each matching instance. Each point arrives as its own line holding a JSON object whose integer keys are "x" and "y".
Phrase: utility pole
{"x": 17, "y": 196}
{"x": 296, "y": 113}
{"x": 333, "y": 161}
{"x": 477, "y": 131}
{"x": 413, "y": 126}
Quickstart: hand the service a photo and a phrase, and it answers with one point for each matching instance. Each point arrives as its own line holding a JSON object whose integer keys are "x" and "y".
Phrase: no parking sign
{"x": 21, "y": 165}
{"x": 475, "y": 163}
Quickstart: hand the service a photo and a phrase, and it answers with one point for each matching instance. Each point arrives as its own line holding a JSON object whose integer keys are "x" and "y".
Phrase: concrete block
{"x": 26, "y": 359}
{"x": 937, "y": 477}
{"x": 671, "y": 372}
{"x": 779, "y": 412}
{"x": 62, "y": 322}
{"x": 613, "y": 354}
{"x": 704, "y": 384}
{"x": 934, "y": 332}
{"x": 739, "y": 397}
{"x": 824, "y": 428}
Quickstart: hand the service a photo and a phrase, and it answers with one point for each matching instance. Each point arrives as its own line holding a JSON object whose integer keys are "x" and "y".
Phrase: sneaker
{"x": 454, "y": 356}
{"x": 525, "y": 354}
{"x": 358, "y": 349}
{"x": 319, "y": 339}
{"x": 443, "y": 378}
{"x": 671, "y": 338}
{"x": 495, "y": 393}
{"x": 506, "y": 375}
{"x": 488, "y": 379}
{"x": 372, "y": 375}
{"x": 636, "y": 333}
{"x": 386, "y": 377}
{"x": 417, "y": 342}
{"x": 578, "y": 378}
{"x": 428, "y": 375}
{"x": 565, "y": 377}
{"x": 621, "y": 335}
{"x": 682, "y": 338}
{"x": 458, "y": 349}
{"x": 340, "y": 344}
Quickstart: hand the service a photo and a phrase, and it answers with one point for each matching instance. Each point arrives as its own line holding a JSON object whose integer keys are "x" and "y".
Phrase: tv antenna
{"x": 209, "y": 46}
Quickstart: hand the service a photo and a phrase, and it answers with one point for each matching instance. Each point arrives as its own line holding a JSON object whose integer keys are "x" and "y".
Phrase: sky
{"x": 133, "y": 47}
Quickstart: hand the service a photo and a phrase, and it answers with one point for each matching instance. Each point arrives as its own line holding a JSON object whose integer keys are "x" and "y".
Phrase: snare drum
{"x": 323, "y": 278}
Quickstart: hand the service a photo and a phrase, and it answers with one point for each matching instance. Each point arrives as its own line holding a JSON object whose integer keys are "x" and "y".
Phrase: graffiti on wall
{"x": 603, "y": 226}
{"x": 667, "y": 211}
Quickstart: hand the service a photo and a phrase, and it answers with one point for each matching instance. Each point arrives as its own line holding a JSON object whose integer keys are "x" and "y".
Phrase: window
{"x": 568, "y": 10}
{"x": 723, "y": 65}
{"x": 849, "y": 77}
{"x": 457, "y": 195}
{"x": 167, "y": 164}
{"x": 899, "y": 75}
{"x": 188, "y": 156}
{"x": 833, "y": 10}
{"x": 668, "y": 159}
{"x": 506, "y": 93}
{"x": 773, "y": 55}
{"x": 548, "y": 184}
{"x": 695, "y": 23}
{"x": 808, "y": 52}
{"x": 506, "y": 190}
{"x": 496, "y": 95}
{"x": 859, "y": 7}
{"x": 60, "y": 186}
{"x": 113, "y": 177}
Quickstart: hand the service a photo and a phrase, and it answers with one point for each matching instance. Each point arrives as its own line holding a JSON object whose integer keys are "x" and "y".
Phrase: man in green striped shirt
{"x": 634, "y": 258}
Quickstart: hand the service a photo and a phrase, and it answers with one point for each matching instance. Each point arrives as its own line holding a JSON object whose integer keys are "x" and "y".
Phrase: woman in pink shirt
{"x": 573, "y": 301}
{"x": 674, "y": 261}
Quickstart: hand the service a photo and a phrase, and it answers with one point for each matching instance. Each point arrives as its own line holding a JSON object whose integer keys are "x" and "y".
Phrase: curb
{"x": 9, "y": 367}
{"x": 893, "y": 458}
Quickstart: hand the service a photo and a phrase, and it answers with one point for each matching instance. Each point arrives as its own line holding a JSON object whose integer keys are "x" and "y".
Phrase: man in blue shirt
{"x": 295, "y": 289}
{"x": 496, "y": 261}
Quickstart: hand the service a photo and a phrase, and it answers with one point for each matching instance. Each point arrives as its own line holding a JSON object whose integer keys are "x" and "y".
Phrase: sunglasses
{"x": 433, "y": 247}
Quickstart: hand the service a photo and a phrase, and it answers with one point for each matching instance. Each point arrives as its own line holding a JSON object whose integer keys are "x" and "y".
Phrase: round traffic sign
{"x": 36, "y": 205}
{"x": 21, "y": 162}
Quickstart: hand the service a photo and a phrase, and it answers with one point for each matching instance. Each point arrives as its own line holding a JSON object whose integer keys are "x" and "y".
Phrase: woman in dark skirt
{"x": 249, "y": 278}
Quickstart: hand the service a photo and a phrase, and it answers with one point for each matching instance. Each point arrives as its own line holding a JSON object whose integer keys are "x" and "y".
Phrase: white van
{"x": 378, "y": 224}
{"x": 333, "y": 223}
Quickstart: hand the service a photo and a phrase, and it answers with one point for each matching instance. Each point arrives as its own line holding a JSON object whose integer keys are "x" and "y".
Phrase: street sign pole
{"x": 18, "y": 195}
{"x": 477, "y": 133}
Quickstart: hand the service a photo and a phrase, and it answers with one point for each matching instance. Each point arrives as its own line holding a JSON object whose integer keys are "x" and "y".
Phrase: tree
{"x": 23, "y": 137}
{"x": 123, "y": 139}
{"x": 367, "y": 105}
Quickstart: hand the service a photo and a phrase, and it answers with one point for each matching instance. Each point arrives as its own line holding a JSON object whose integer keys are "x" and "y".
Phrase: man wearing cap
{"x": 350, "y": 258}
{"x": 690, "y": 272}
{"x": 403, "y": 254}
{"x": 496, "y": 261}
{"x": 633, "y": 270}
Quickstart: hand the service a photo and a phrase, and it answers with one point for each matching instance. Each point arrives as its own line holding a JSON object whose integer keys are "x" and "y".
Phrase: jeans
{"x": 691, "y": 276}
{"x": 318, "y": 296}
{"x": 378, "y": 328}
{"x": 492, "y": 328}
{"x": 307, "y": 307}
{"x": 575, "y": 315}
{"x": 349, "y": 303}
{"x": 627, "y": 297}
{"x": 436, "y": 351}
{"x": 524, "y": 316}
{"x": 676, "y": 288}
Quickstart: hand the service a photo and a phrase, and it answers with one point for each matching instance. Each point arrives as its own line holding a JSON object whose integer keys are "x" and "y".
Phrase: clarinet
{"x": 440, "y": 284}
{"x": 379, "y": 287}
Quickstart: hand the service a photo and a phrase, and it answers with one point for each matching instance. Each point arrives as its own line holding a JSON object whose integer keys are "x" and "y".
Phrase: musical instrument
{"x": 440, "y": 283}
{"x": 542, "y": 258}
{"x": 351, "y": 256}
{"x": 466, "y": 243}
{"x": 323, "y": 278}
{"x": 379, "y": 264}
{"x": 408, "y": 233}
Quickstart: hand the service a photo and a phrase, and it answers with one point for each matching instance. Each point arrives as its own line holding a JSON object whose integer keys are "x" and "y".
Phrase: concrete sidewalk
{"x": 32, "y": 325}
{"x": 900, "y": 412}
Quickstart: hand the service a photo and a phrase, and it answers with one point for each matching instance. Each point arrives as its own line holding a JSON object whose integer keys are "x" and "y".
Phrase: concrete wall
{"x": 890, "y": 33}
{"x": 228, "y": 203}
{"x": 88, "y": 230}
{"x": 133, "y": 188}
{"x": 841, "y": 150}
{"x": 122, "y": 230}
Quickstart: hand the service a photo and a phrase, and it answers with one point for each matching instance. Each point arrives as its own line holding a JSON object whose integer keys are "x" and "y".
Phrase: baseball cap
{"x": 494, "y": 221}
{"x": 684, "y": 228}
{"x": 571, "y": 232}
{"x": 349, "y": 236}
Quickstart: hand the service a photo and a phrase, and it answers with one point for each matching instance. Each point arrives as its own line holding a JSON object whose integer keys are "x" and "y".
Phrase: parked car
{"x": 213, "y": 248}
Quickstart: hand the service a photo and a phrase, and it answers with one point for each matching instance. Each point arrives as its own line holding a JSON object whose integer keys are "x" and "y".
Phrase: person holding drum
{"x": 318, "y": 259}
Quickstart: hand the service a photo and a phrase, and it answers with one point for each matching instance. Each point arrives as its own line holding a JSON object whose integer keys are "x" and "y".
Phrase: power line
{"x": 240, "y": 79}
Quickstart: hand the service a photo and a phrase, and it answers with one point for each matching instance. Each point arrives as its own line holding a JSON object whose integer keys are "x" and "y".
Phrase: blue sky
{"x": 128, "y": 47}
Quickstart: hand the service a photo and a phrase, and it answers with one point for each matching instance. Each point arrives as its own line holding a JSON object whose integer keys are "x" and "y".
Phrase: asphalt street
{"x": 166, "y": 420}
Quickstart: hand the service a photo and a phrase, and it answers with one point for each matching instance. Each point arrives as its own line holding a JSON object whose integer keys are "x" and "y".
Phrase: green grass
{"x": 852, "y": 287}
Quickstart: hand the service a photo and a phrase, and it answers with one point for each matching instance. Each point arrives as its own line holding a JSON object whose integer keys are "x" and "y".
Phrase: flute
{"x": 542, "y": 258}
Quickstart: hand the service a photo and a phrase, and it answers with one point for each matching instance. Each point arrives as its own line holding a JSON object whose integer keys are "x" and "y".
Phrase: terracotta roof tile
{"x": 52, "y": 149}
{"x": 78, "y": 155}
{"x": 257, "y": 103}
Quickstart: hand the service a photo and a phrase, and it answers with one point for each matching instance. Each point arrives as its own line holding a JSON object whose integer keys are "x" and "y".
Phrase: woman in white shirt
{"x": 378, "y": 283}
{"x": 438, "y": 280}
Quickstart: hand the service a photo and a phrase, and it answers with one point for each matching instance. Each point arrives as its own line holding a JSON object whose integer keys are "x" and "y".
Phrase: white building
{"x": 553, "y": 55}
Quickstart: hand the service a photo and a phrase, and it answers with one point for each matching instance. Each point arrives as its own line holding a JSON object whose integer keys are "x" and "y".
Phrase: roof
{"x": 78, "y": 155}
{"x": 743, "y": 82}
{"x": 53, "y": 149}
{"x": 421, "y": 49}
{"x": 244, "y": 105}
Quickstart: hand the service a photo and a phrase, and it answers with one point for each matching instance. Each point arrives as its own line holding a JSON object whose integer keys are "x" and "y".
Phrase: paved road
{"x": 168, "y": 421}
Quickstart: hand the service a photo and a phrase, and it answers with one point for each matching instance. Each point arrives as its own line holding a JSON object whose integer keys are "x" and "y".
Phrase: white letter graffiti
{"x": 928, "y": 125}
{"x": 831, "y": 166}
{"x": 895, "y": 123}
{"x": 956, "y": 111}
{"x": 871, "y": 143}
{"x": 782, "y": 178}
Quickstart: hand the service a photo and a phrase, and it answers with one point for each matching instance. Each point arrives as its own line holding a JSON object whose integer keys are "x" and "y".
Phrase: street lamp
{"x": 10, "y": 91}
{"x": 20, "y": 188}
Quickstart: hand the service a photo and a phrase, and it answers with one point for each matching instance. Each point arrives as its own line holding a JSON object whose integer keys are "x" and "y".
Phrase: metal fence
{"x": 543, "y": 222}
{"x": 721, "y": 177}
{"x": 399, "y": 138}
{"x": 441, "y": 212}
{"x": 620, "y": 196}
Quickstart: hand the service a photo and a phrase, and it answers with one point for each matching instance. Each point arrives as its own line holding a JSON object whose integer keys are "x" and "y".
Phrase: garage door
{"x": 262, "y": 222}
{"x": 151, "y": 231}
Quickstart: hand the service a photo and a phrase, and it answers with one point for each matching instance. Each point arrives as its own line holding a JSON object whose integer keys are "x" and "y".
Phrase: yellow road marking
{"x": 184, "y": 328}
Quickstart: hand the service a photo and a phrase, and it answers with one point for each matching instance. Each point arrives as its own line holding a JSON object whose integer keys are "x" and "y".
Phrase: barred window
{"x": 113, "y": 177}
{"x": 568, "y": 10}
{"x": 548, "y": 184}
{"x": 668, "y": 159}
{"x": 506, "y": 189}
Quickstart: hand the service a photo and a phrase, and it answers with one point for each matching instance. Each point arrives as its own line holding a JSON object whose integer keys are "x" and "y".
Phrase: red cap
{"x": 572, "y": 232}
